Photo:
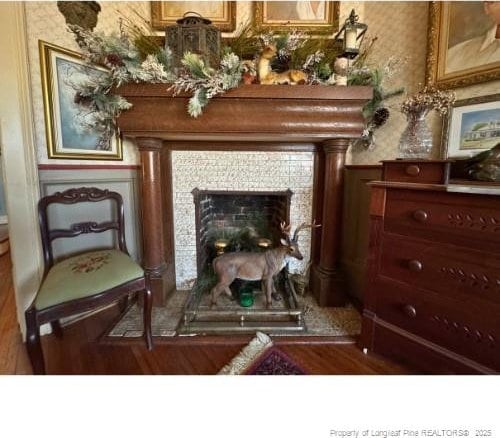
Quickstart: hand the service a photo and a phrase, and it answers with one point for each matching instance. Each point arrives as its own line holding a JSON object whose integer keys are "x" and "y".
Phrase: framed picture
{"x": 222, "y": 14}
{"x": 473, "y": 126}
{"x": 314, "y": 17}
{"x": 462, "y": 45}
{"x": 61, "y": 69}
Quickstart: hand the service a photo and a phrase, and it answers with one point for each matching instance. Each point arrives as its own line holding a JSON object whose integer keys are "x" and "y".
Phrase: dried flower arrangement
{"x": 428, "y": 99}
{"x": 416, "y": 139}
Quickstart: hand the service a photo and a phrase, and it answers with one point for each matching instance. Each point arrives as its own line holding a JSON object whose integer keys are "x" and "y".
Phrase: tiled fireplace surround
{"x": 297, "y": 137}
{"x": 237, "y": 171}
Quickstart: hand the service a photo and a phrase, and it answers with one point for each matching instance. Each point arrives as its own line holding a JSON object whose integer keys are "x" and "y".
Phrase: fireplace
{"x": 240, "y": 221}
{"x": 266, "y": 177}
{"x": 316, "y": 120}
{"x": 228, "y": 221}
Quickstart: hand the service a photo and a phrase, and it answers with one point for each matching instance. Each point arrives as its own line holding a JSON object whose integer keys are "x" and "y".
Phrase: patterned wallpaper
{"x": 401, "y": 28}
{"x": 402, "y": 32}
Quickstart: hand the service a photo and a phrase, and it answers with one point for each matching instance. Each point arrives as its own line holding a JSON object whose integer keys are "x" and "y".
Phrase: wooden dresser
{"x": 432, "y": 296}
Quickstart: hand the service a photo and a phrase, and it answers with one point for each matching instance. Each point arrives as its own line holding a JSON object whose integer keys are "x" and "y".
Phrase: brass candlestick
{"x": 220, "y": 245}
{"x": 264, "y": 243}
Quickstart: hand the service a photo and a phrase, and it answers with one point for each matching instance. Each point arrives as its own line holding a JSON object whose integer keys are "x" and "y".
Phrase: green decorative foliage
{"x": 205, "y": 82}
{"x": 134, "y": 56}
{"x": 378, "y": 77}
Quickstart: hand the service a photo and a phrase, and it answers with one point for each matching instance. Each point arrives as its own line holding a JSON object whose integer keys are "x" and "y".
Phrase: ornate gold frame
{"x": 312, "y": 29}
{"x": 434, "y": 51}
{"x": 159, "y": 23}
{"x": 48, "y": 83}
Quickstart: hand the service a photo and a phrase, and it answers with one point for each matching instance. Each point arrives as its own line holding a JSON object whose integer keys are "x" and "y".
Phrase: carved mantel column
{"x": 326, "y": 280}
{"x": 152, "y": 218}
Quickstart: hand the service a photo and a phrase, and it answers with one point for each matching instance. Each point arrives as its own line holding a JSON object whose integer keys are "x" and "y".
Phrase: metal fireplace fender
{"x": 297, "y": 118}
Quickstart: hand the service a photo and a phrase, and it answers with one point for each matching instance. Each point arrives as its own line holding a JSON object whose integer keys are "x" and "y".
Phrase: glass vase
{"x": 416, "y": 139}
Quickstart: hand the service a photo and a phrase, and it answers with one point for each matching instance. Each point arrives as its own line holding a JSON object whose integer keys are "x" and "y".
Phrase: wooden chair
{"x": 85, "y": 281}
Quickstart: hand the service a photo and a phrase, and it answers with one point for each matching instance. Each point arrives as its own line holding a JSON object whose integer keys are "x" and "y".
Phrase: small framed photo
{"x": 314, "y": 17}
{"x": 473, "y": 126}
{"x": 61, "y": 69}
{"x": 222, "y": 14}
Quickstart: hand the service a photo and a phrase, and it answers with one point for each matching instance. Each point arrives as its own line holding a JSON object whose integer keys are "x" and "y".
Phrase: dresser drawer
{"x": 418, "y": 171}
{"x": 469, "y": 330}
{"x": 458, "y": 272}
{"x": 467, "y": 220}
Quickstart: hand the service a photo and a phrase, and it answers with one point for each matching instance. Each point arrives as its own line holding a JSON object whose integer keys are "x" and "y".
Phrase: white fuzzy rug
{"x": 260, "y": 343}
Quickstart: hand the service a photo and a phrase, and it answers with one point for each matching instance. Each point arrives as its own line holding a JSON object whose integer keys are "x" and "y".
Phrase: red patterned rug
{"x": 274, "y": 362}
{"x": 261, "y": 357}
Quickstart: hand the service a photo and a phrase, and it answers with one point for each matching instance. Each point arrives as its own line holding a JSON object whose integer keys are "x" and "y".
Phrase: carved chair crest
{"x": 74, "y": 196}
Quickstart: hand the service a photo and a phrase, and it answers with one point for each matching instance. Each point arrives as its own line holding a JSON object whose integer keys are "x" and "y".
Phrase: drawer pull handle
{"x": 410, "y": 311}
{"x": 412, "y": 170}
{"x": 415, "y": 265}
{"x": 420, "y": 216}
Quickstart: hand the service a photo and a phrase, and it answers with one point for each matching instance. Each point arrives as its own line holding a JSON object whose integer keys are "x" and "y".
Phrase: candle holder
{"x": 221, "y": 245}
{"x": 246, "y": 297}
{"x": 264, "y": 243}
{"x": 351, "y": 35}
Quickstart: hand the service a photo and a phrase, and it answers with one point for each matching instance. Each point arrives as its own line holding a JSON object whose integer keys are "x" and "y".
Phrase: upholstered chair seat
{"x": 85, "y": 275}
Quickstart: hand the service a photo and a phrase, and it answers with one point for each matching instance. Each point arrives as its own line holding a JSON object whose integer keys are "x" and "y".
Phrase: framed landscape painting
{"x": 222, "y": 14}
{"x": 463, "y": 44}
{"x": 61, "y": 69}
{"x": 473, "y": 126}
{"x": 314, "y": 17}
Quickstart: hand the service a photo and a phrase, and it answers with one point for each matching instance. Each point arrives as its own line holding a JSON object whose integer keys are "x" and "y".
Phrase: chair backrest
{"x": 74, "y": 196}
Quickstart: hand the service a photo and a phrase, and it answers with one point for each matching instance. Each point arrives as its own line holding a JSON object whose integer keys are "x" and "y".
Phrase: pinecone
{"x": 82, "y": 100}
{"x": 114, "y": 59}
{"x": 380, "y": 116}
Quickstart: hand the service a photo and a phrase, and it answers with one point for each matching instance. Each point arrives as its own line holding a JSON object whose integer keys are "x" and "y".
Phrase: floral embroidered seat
{"x": 86, "y": 275}
{"x": 86, "y": 281}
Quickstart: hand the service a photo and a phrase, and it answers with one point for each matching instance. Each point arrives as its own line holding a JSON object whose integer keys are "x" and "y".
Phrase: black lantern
{"x": 194, "y": 34}
{"x": 352, "y": 34}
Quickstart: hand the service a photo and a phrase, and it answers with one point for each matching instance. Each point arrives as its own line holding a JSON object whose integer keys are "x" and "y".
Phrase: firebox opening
{"x": 241, "y": 220}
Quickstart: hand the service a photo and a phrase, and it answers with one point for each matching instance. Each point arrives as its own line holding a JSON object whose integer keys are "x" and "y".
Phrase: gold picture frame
{"x": 221, "y": 13}
{"x": 299, "y": 15}
{"x": 59, "y": 67}
{"x": 456, "y": 38}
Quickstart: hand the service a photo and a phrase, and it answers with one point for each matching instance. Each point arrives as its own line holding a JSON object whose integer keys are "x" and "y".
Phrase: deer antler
{"x": 303, "y": 226}
{"x": 285, "y": 229}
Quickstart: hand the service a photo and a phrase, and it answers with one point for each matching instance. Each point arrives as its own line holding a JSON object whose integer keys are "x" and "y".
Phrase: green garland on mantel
{"x": 131, "y": 56}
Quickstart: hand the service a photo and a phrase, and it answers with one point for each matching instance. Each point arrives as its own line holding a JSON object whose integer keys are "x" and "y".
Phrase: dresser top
{"x": 453, "y": 187}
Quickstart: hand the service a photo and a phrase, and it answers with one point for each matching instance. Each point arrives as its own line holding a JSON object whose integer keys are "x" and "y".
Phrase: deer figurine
{"x": 252, "y": 266}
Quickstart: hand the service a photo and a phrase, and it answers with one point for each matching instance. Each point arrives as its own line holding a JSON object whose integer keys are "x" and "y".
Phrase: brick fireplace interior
{"x": 240, "y": 218}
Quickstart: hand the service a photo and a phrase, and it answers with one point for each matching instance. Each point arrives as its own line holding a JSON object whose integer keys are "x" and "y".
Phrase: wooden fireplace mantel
{"x": 251, "y": 117}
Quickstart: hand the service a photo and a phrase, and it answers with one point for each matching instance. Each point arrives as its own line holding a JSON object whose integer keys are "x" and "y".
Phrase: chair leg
{"x": 33, "y": 343}
{"x": 56, "y": 328}
{"x": 148, "y": 307}
{"x": 123, "y": 304}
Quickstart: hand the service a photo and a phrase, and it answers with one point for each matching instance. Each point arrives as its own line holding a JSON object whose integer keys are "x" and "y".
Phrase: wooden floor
{"x": 84, "y": 351}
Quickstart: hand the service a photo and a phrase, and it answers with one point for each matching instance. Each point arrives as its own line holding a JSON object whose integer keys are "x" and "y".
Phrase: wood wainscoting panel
{"x": 355, "y": 225}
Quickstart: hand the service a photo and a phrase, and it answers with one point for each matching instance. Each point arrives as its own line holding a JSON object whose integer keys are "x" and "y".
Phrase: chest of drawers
{"x": 432, "y": 297}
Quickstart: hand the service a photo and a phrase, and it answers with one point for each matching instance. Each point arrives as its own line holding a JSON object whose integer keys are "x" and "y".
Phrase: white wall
{"x": 3, "y": 206}
{"x": 19, "y": 156}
